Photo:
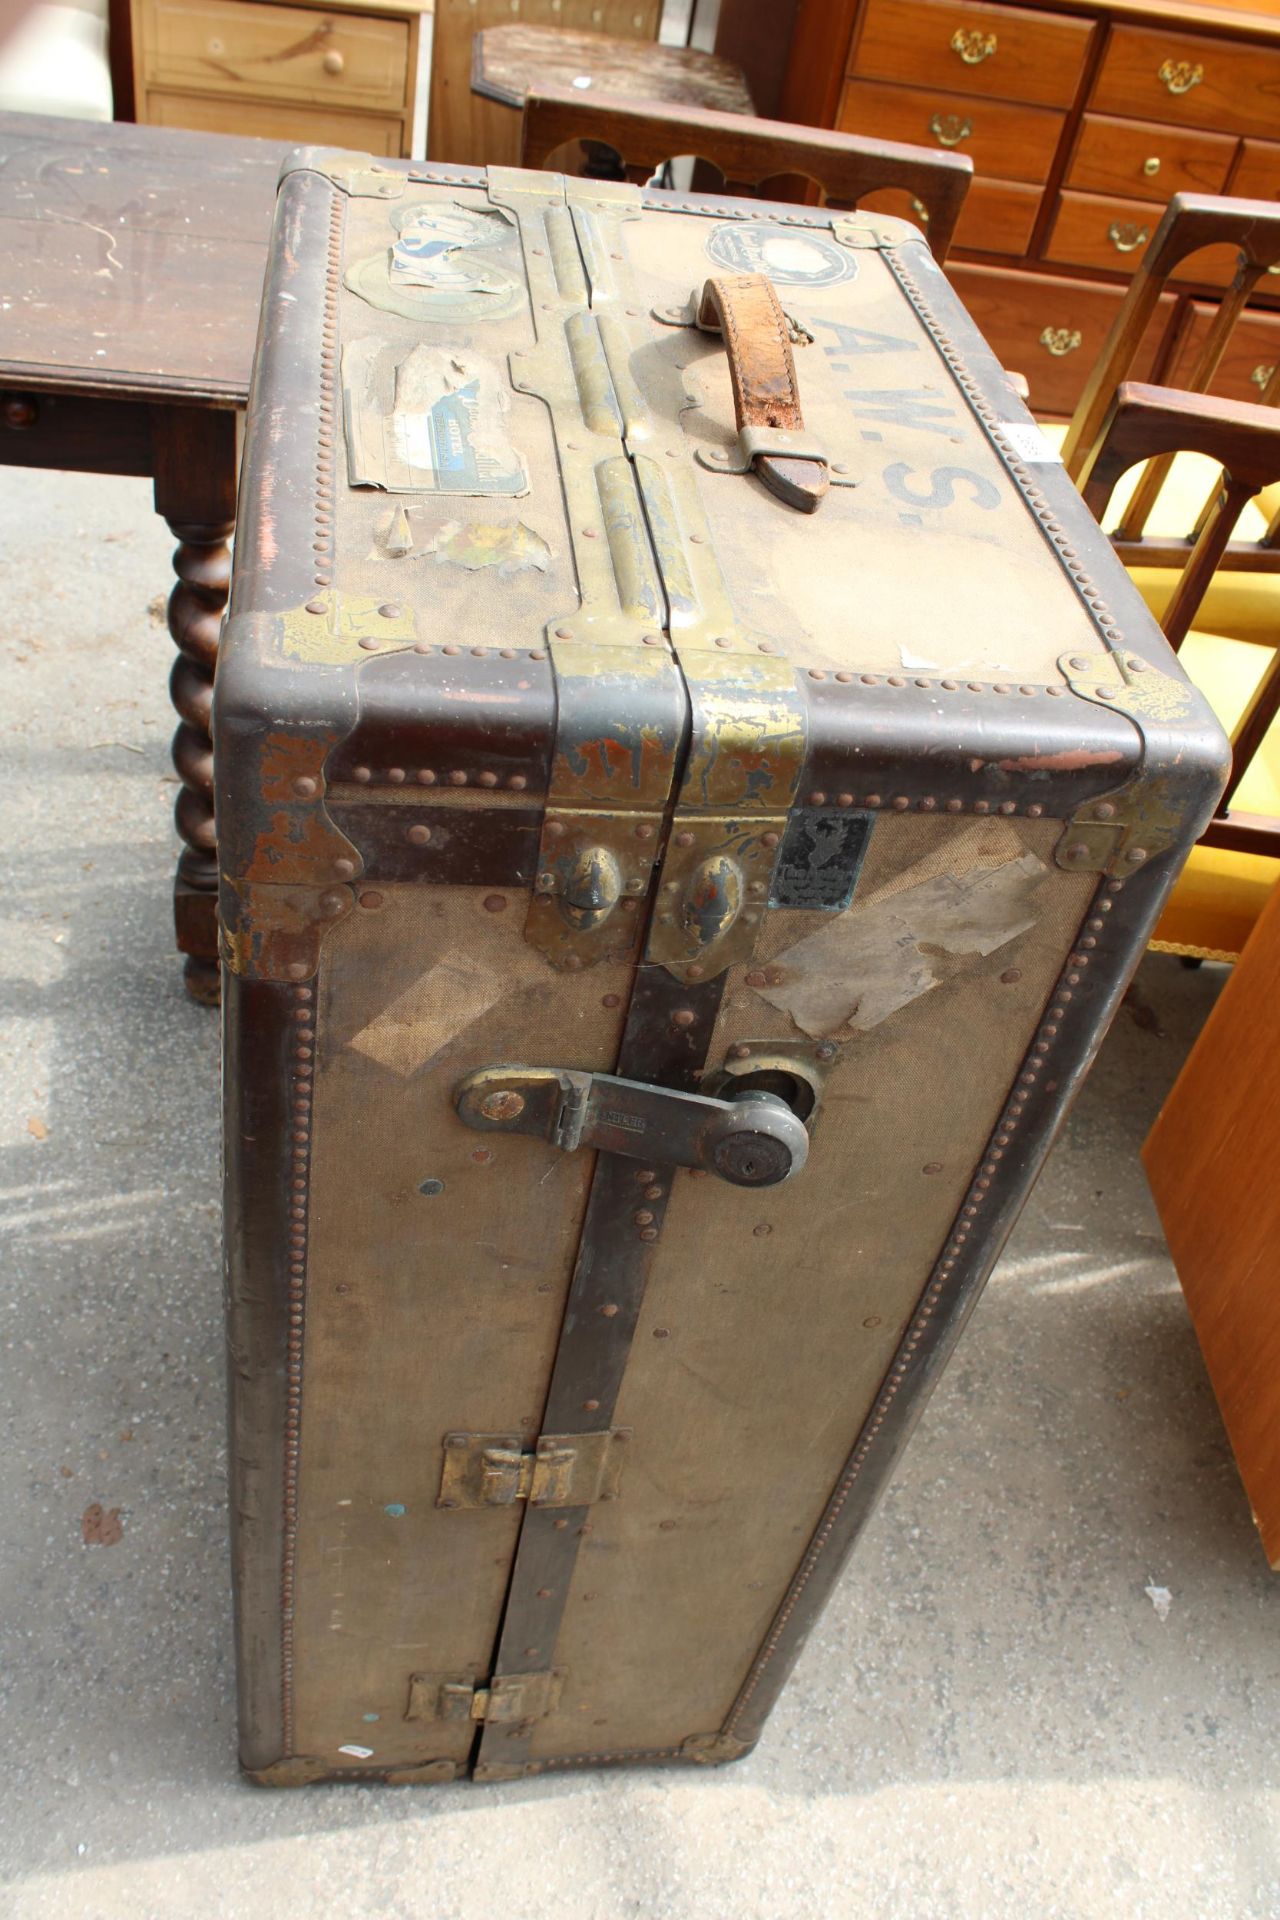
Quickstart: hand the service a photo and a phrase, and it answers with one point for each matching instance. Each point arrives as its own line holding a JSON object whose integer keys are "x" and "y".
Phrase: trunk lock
{"x": 752, "y": 1140}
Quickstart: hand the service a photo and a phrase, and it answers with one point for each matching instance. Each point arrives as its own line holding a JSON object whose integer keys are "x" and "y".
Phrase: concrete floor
{"x": 993, "y": 1720}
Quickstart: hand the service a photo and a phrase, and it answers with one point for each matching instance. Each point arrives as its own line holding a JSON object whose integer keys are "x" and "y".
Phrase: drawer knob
{"x": 1060, "y": 340}
{"x": 973, "y": 45}
{"x": 1151, "y": 167}
{"x": 333, "y": 61}
{"x": 1126, "y": 237}
{"x": 1180, "y": 75}
{"x": 1261, "y": 375}
{"x": 949, "y": 129}
{"x": 19, "y": 411}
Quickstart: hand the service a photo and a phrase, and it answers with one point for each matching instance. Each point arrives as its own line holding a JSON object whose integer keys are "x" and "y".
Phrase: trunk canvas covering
{"x": 611, "y": 692}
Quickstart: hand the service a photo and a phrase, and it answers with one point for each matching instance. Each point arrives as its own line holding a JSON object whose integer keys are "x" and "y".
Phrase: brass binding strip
{"x": 620, "y": 701}
{"x": 747, "y": 710}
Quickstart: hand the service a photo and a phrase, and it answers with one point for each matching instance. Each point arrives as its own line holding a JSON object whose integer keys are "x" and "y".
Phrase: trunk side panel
{"x": 425, "y": 1311}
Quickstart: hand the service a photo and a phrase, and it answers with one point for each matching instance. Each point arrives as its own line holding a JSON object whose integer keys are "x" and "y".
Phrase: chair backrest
{"x": 1191, "y": 221}
{"x": 1144, "y": 423}
{"x": 845, "y": 166}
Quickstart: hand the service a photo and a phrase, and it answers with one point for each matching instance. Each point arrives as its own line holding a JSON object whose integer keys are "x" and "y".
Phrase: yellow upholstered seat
{"x": 1219, "y": 895}
{"x": 1239, "y": 604}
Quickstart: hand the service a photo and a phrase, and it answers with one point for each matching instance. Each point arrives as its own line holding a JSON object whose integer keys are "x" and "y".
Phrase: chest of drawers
{"x": 1082, "y": 118}
{"x": 355, "y": 74}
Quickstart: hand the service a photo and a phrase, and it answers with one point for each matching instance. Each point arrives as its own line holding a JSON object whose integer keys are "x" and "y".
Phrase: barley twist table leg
{"x": 195, "y": 491}
{"x": 203, "y": 566}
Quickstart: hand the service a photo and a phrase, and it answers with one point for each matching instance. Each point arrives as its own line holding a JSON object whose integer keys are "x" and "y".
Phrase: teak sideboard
{"x": 1082, "y": 120}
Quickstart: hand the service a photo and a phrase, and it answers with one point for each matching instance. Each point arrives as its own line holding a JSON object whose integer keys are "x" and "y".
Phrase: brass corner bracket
{"x": 1119, "y": 832}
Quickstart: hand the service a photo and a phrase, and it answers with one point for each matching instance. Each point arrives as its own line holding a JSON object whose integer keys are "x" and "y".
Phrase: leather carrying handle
{"x": 745, "y": 309}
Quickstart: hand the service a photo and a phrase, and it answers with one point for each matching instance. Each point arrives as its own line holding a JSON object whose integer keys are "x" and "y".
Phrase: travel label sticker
{"x": 432, "y": 422}
{"x": 790, "y": 257}
{"x": 821, "y": 859}
{"x": 435, "y": 268}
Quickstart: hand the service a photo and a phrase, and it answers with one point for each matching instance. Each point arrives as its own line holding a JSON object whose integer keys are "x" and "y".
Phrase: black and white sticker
{"x": 790, "y": 257}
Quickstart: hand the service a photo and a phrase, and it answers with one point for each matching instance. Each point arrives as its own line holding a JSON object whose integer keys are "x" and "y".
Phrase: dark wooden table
{"x": 507, "y": 63}
{"x": 133, "y": 261}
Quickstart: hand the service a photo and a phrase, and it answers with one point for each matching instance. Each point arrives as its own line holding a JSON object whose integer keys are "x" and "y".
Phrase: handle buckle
{"x": 780, "y": 443}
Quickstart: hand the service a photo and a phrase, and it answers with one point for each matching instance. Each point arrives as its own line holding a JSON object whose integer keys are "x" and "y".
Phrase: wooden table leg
{"x": 195, "y": 482}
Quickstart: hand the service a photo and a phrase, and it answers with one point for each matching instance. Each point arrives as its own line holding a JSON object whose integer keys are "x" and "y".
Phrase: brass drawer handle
{"x": 1261, "y": 375}
{"x": 1126, "y": 237}
{"x": 949, "y": 129}
{"x": 973, "y": 45}
{"x": 1060, "y": 340}
{"x": 1151, "y": 167}
{"x": 1180, "y": 75}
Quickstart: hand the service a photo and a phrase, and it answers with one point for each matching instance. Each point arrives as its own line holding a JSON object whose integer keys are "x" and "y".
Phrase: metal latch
{"x": 507, "y": 1699}
{"x": 753, "y": 1141}
{"x": 564, "y": 1469}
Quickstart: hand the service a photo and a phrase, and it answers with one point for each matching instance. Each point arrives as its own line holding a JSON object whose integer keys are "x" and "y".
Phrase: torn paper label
{"x": 434, "y": 248}
{"x": 508, "y": 546}
{"x": 876, "y": 958}
{"x": 434, "y": 270}
{"x": 441, "y": 1004}
{"x": 430, "y": 423}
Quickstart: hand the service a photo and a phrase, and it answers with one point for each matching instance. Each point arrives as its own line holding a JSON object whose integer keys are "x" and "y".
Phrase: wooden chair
{"x": 1237, "y": 613}
{"x": 1190, "y": 222}
{"x": 845, "y": 167}
{"x": 1230, "y": 874}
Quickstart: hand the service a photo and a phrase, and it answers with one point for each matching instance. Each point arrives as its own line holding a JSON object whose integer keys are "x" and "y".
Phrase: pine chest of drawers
{"x": 353, "y": 74}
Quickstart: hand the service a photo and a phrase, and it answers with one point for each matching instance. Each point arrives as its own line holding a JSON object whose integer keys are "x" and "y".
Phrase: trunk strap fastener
{"x": 509, "y": 1699}
{"x": 563, "y": 1470}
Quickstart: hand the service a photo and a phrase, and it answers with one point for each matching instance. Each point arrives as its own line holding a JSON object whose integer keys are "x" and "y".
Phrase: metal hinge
{"x": 505, "y": 1700}
{"x": 563, "y": 1470}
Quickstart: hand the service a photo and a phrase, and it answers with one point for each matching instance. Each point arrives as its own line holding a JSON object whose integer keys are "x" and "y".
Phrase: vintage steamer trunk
{"x": 602, "y": 831}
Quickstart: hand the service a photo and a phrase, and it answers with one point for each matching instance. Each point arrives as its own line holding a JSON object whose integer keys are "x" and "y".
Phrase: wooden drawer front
{"x": 1258, "y": 175}
{"x": 1252, "y": 351}
{"x": 230, "y": 46}
{"x": 997, "y": 217}
{"x": 1148, "y": 162}
{"x": 1007, "y": 143}
{"x": 276, "y": 120}
{"x": 1191, "y": 81}
{"x": 997, "y": 53}
{"x": 1050, "y": 330}
{"x": 1092, "y": 231}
